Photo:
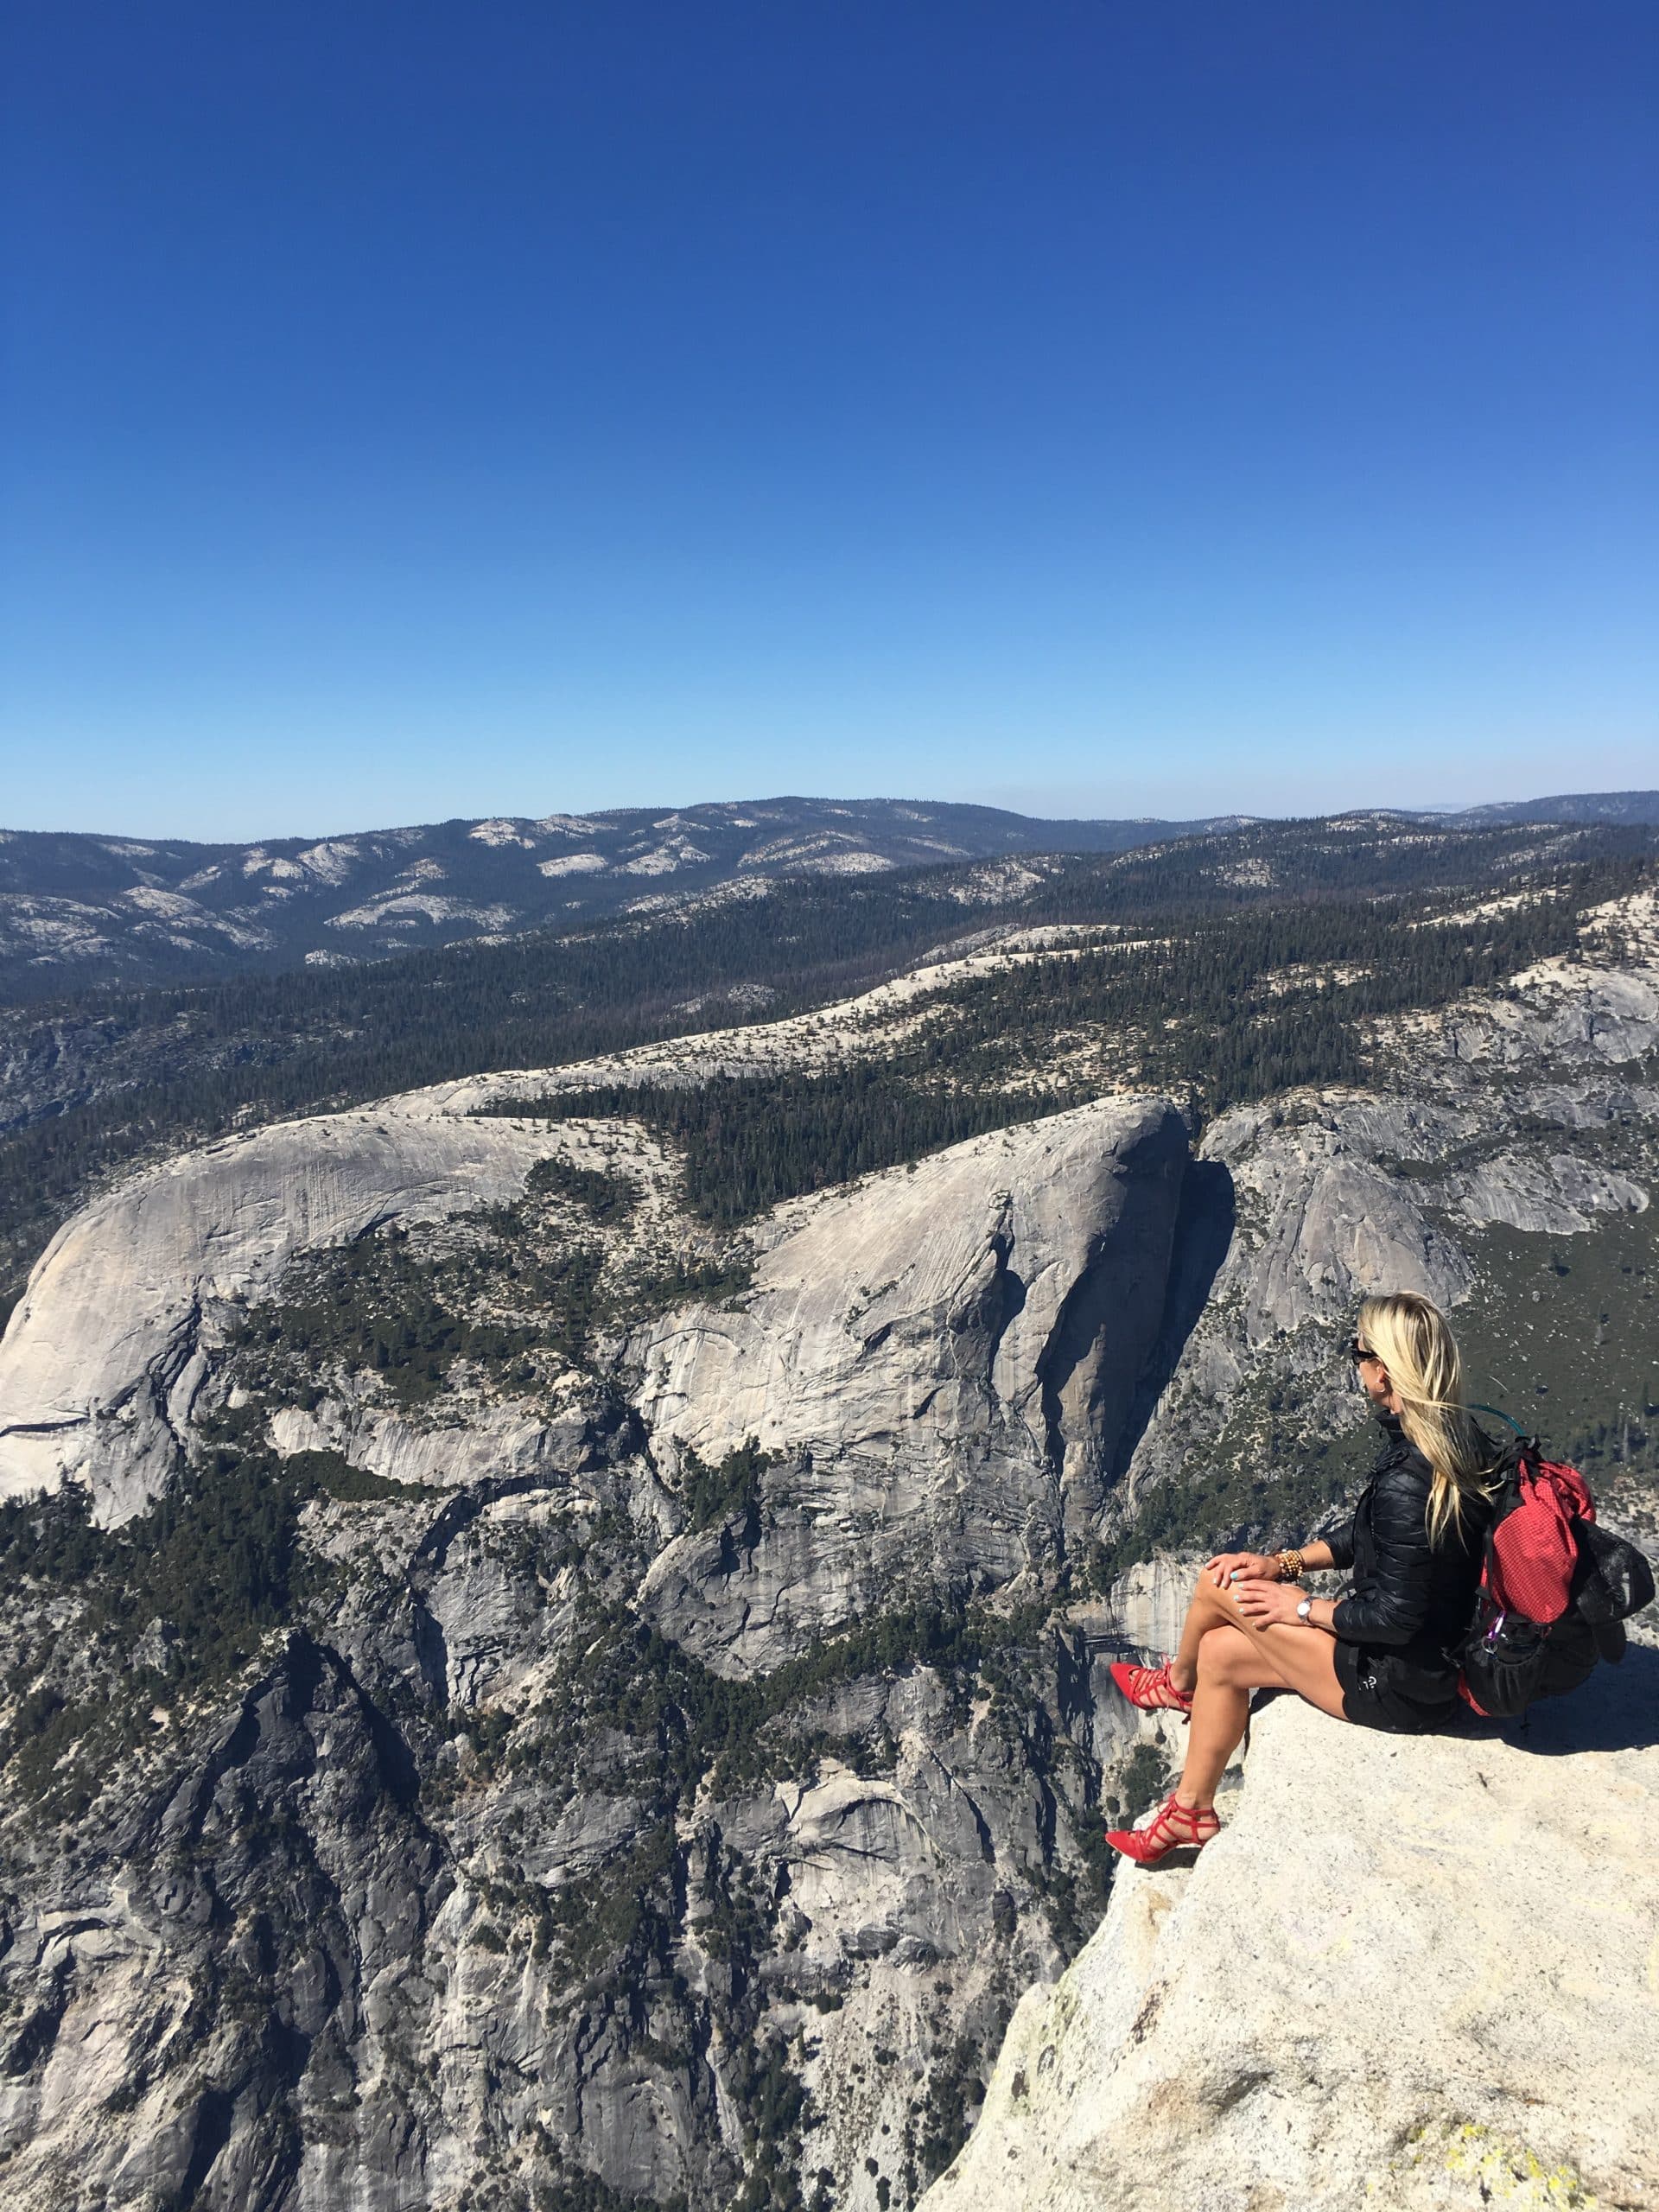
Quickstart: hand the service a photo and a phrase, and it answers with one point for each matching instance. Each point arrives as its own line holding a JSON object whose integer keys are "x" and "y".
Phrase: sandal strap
{"x": 1173, "y": 1814}
{"x": 1157, "y": 1681}
{"x": 1170, "y": 1826}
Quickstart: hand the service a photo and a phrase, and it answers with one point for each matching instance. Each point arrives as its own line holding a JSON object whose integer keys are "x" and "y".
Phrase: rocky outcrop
{"x": 513, "y": 1862}
{"x": 241, "y": 1974}
{"x": 1564, "y": 1010}
{"x": 102, "y": 1361}
{"x": 494, "y": 1443}
{"x": 1413, "y": 1974}
{"x": 1333, "y": 1194}
{"x": 331, "y": 1946}
{"x": 943, "y": 1359}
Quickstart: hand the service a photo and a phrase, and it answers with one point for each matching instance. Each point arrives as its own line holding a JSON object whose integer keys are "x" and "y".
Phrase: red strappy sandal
{"x": 1150, "y": 1687}
{"x": 1173, "y": 1827}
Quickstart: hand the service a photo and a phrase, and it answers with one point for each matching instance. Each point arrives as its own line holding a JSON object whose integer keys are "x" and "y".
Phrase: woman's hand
{"x": 1241, "y": 1566}
{"x": 1264, "y": 1603}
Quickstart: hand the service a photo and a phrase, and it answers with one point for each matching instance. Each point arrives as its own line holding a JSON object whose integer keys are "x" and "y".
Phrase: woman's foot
{"x": 1173, "y": 1826}
{"x": 1152, "y": 1688}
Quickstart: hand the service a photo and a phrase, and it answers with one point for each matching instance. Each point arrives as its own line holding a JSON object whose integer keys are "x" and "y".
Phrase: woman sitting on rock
{"x": 1378, "y": 1655}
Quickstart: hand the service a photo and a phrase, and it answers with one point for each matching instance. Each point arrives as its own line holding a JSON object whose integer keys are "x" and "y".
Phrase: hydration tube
{"x": 1497, "y": 1414}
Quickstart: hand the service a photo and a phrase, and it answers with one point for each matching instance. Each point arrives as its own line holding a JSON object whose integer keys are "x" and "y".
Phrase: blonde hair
{"x": 1409, "y": 1335}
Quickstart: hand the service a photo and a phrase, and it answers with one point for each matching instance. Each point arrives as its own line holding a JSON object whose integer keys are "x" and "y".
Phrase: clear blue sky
{"x": 418, "y": 410}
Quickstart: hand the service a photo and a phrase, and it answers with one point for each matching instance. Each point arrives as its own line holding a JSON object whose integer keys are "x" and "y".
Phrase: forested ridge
{"x": 168, "y": 1067}
{"x": 1218, "y": 1009}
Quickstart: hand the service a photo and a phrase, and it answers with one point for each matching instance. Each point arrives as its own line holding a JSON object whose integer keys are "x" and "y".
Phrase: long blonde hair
{"x": 1409, "y": 1335}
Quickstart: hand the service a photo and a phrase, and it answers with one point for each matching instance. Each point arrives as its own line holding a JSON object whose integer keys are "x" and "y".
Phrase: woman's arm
{"x": 1264, "y": 1603}
{"x": 1264, "y": 1566}
{"x": 1320, "y": 1612}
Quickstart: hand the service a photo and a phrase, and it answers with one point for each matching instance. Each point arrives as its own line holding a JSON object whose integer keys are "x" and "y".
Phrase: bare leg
{"x": 1233, "y": 1660}
{"x": 1209, "y": 1608}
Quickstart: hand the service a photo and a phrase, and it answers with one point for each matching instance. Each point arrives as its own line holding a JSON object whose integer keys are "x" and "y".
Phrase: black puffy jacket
{"x": 1411, "y": 1602}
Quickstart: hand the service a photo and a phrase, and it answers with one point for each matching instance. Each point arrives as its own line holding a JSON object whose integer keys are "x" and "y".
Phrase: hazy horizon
{"x": 310, "y": 834}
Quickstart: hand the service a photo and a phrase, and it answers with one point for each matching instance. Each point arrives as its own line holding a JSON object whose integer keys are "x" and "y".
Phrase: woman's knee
{"x": 1207, "y": 1595}
{"x": 1223, "y": 1652}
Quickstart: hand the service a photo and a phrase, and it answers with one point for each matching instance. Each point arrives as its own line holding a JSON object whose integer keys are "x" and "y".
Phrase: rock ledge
{"x": 1412, "y": 1974}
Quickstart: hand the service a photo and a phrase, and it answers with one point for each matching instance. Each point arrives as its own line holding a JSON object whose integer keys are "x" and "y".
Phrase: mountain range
{"x": 79, "y": 909}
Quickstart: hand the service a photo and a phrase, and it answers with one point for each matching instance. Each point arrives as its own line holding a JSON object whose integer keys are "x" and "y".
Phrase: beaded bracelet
{"x": 1292, "y": 1565}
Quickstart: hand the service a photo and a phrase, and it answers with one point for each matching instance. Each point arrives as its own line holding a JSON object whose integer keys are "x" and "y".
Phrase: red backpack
{"x": 1555, "y": 1589}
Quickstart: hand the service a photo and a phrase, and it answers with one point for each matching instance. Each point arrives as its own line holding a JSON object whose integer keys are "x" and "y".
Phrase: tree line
{"x": 196, "y": 1061}
{"x": 1225, "y": 1009}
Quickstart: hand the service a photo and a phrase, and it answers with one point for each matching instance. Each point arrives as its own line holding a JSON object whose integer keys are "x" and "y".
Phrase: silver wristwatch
{"x": 1305, "y": 1612}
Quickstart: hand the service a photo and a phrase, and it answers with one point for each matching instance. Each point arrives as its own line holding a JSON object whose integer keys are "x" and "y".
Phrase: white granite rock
{"x": 945, "y": 1356}
{"x": 1421, "y": 1974}
{"x": 102, "y": 1359}
{"x": 1010, "y": 1282}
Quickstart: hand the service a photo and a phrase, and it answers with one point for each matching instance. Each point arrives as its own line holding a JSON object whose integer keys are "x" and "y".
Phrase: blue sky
{"x": 420, "y": 409}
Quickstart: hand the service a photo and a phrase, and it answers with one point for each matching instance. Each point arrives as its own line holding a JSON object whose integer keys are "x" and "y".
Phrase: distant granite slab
{"x": 103, "y": 1359}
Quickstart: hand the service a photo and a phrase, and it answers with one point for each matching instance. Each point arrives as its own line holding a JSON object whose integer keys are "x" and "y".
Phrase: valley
{"x": 567, "y": 1503}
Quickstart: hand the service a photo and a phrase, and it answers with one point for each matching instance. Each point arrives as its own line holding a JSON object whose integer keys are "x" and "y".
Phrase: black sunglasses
{"x": 1357, "y": 1351}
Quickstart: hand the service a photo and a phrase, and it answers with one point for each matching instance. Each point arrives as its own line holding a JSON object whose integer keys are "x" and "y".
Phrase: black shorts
{"x": 1370, "y": 1697}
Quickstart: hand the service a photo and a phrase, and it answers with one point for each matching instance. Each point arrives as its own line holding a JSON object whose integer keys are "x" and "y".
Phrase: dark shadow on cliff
{"x": 1205, "y": 1219}
{"x": 1616, "y": 1710}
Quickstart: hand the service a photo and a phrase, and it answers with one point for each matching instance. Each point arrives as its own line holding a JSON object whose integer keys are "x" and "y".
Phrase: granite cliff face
{"x": 1525, "y": 1118}
{"x": 665, "y": 1746}
{"x": 944, "y": 1360}
{"x": 100, "y": 1366}
{"x": 1416, "y": 1973}
{"x": 538, "y": 1846}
